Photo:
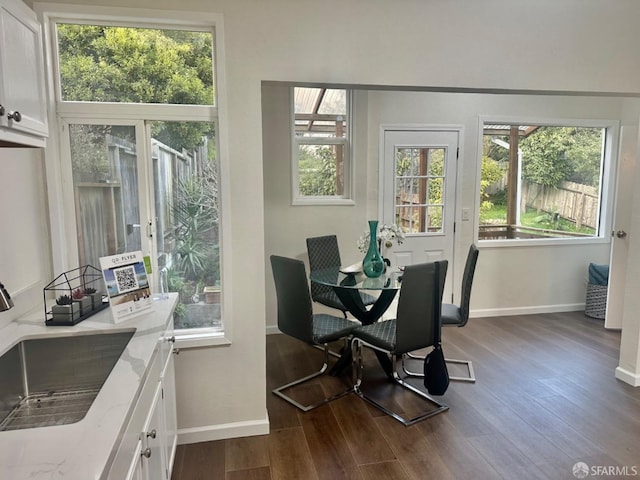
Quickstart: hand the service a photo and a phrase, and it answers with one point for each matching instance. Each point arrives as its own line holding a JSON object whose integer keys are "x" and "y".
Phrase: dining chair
{"x": 296, "y": 319}
{"x": 458, "y": 315}
{"x": 416, "y": 326}
{"x": 324, "y": 253}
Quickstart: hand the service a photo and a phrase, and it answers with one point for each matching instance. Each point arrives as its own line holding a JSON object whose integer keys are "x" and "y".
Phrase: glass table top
{"x": 391, "y": 280}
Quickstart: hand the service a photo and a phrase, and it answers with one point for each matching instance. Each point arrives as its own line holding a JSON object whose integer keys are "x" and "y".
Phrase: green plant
{"x": 89, "y": 291}
{"x": 195, "y": 214}
{"x": 64, "y": 300}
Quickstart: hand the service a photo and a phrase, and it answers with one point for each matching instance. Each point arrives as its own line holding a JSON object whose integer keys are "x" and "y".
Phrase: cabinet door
{"x": 136, "y": 470}
{"x": 170, "y": 415}
{"x": 153, "y": 449}
{"x": 21, "y": 73}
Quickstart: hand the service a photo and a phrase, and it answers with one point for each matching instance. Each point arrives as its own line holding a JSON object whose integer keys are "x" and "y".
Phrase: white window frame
{"x": 607, "y": 179}
{"x": 64, "y": 246}
{"x": 347, "y": 198}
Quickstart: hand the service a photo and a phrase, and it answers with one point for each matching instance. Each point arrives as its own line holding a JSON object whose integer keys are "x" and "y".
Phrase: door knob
{"x": 621, "y": 234}
{"x": 1, "y": 110}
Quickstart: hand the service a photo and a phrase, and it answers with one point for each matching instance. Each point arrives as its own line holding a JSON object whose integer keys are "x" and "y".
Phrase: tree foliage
{"x": 317, "y": 167}
{"x": 551, "y": 155}
{"x": 491, "y": 173}
{"x": 137, "y": 65}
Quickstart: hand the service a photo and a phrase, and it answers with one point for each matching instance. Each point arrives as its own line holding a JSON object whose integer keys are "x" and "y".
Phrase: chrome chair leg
{"x": 357, "y": 372}
{"x": 331, "y": 352}
{"x": 470, "y": 379}
{"x": 305, "y": 408}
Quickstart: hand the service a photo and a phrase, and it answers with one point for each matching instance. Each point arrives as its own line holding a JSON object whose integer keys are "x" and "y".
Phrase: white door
{"x": 621, "y": 225}
{"x": 418, "y": 194}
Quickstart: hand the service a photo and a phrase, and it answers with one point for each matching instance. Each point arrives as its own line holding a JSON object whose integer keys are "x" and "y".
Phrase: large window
{"x": 142, "y": 180}
{"x": 541, "y": 181}
{"x": 321, "y": 153}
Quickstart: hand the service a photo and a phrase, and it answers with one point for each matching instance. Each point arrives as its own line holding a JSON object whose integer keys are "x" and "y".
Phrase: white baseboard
{"x": 626, "y": 376}
{"x": 503, "y": 312}
{"x": 223, "y": 431}
{"x": 272, "y": 329}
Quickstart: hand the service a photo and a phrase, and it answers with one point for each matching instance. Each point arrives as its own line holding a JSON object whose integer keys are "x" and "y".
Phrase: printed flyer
{"x": 127, "y": 285}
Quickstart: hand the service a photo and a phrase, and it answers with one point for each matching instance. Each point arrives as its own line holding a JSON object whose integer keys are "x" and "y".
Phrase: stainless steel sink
{"x": 54, "y": 381}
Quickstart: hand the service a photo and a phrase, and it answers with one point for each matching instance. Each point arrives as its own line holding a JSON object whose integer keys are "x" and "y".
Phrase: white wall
{"x": 578, "y": 45}
{"x": 25, "y": 258}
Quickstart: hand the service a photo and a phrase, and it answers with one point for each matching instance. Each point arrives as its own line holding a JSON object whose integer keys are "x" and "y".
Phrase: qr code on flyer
{"x": 126, "y": 279}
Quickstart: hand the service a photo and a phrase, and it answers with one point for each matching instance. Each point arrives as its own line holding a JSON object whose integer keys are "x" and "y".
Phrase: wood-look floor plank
{"x": 202, "y": 461}
{"x": 260, "y": 473}
{"x": 362, "y": 435}
{"x": 384, "y": 471}
{"x": 289, "y": 455}
{"x": 328, "y": 446}
{"x": 414, "y": 449}
{"x": 246, "y": 453}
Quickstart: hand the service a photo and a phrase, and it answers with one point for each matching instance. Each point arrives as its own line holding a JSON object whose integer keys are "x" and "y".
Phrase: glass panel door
{"x": 104, "y": 161}
{"x": 187, "y": 240}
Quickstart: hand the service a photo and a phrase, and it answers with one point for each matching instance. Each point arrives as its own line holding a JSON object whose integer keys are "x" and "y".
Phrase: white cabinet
{"x": 148, "y": 446}
{"x": 23, "y": 114}
{"x": 154, "y": 462}
{"x": 170, "y": 413}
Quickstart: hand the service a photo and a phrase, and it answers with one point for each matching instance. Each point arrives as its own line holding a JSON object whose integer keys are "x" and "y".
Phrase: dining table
{"x": 347, "y": 284}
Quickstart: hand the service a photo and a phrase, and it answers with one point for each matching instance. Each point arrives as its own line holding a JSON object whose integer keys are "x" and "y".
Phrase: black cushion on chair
{"x": 382, "y": 334}
{"x": 327, "y": 328}
{"x": 451, "y": 314}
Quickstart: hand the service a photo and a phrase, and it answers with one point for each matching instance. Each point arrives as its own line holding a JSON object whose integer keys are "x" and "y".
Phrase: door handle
{"x": 621, "y": 234}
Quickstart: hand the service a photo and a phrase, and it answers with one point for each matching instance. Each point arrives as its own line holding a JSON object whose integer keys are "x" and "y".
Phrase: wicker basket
{"x": 596, "y": 304}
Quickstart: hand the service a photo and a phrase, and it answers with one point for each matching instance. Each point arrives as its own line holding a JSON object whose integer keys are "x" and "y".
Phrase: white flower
{"x": 386, "y": 236}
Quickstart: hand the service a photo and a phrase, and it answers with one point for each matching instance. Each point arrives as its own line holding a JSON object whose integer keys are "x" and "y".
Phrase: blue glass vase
{"x": 373, "y": 265}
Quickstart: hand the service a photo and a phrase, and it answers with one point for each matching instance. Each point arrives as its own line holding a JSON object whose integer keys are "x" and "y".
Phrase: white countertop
{"x": 82, "y": 450}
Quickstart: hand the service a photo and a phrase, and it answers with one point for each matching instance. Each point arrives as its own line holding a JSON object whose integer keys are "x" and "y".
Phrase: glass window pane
{"x": 320, "y": 112}
{"x": 135, "y": 65}
{"x": 105, "y": 180}
{"x": 436, "y": 162}
{"x": 558, "y": 192}
{"x": 317, "y": 173}
{"x": 185, "y": 173}
{"x": 435, "y": 190}
{"x": 435, "y": 219}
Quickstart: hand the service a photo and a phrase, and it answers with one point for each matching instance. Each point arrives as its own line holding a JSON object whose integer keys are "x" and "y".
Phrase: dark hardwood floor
{"x": 545, "y": 398}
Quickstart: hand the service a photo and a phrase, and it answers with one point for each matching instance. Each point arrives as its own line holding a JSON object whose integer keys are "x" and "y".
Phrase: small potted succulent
{"x": 65, "y": 309}
{"x": 96, "y": 297}
{"x": 85, "y": 302}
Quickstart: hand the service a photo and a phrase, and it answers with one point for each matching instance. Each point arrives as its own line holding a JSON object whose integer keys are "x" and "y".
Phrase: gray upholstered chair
{"x": 324, "y": 253}
{"x": 416, "y": 326}
{"x": 296, "y": 319}
{"x": 454, "y": 315}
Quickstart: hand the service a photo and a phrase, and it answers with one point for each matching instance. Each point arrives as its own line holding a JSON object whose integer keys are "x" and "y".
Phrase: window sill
{"x": 544, "y": 242}
{"x": 198, "y": 340}
{"x": 319, "y": 201}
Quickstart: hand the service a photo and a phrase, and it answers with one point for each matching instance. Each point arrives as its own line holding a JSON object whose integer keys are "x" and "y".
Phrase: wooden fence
{"x": 573, "y": 201}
